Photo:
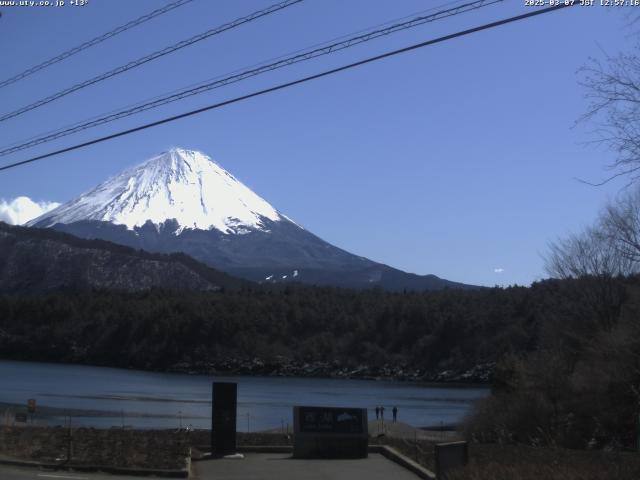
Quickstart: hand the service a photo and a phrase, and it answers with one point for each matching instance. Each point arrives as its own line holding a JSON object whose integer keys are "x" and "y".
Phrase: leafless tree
{"x": 612, "y": 88}
{"x": 610, "y": 247}
{"x": 620, "y": 225}
{"x": 599, "y": 255}
{"x": 589, "y": 253}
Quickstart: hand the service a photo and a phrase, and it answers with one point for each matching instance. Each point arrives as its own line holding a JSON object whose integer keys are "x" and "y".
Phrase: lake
{"x": 105, "y": 397}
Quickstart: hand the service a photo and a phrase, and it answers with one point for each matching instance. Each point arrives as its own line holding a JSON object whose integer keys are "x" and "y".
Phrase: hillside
{"x": 37, "y": 260}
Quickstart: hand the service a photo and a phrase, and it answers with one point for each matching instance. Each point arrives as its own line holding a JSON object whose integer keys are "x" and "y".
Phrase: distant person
{"x": 377, "y": 412}
{"x": 381, "y": 413}
{"x": 395, "y": 413}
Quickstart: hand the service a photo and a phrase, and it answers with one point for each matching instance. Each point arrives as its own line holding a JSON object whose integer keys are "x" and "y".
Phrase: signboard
{"x": 330, "y": 432}
{"x": 31, "y": 405}
{"x": 21, "y": 417}
{"x": 450, "y": 455}
{"x": 330, "y": 420}
{"x": 223, "y": 417}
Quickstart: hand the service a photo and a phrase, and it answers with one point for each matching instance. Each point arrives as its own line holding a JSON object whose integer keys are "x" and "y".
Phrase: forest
{"x": 567, "y": 351}
{"x": 159, "y": 329}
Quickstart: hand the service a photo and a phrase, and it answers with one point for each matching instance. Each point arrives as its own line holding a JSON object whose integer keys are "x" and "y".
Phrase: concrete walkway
{"x": 30, "y": 473}
{"x": 281, "y": 466}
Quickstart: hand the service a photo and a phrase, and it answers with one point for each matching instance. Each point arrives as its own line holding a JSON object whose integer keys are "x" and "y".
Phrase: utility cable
{"x": 24, "y": 142}
{"x": 282, "y": 86}
{"x": 95, "y": 41}
{"x": 152, "y": 56}
{"x": 326, "y": 49}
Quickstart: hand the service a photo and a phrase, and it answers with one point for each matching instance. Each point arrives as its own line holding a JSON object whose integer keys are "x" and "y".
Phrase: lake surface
{"x": 104, "y": 397}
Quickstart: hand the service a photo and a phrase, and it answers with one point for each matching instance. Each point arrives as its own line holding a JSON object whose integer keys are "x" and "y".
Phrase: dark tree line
{"x": 157, "y": 329}
{"x": 431, "y": 330}
{"x": 567, "y": 350}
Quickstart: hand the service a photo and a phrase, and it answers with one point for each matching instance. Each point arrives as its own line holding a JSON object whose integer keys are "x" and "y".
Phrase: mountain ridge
{"x": 183, "y": 201}
{"x": 37, "y": 260}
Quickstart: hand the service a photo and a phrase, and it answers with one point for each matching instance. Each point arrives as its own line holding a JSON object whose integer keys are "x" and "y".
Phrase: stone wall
{"x": 158, "y": 449}
{"x": 116, "y": 447}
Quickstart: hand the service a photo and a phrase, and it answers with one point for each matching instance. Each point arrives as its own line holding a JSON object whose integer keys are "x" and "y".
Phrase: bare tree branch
{"x": 609, "y": 248}
{"x": 612, "y": 88}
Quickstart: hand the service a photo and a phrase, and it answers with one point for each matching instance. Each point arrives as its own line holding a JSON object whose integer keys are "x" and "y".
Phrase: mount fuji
{"x": 183, "y": 201}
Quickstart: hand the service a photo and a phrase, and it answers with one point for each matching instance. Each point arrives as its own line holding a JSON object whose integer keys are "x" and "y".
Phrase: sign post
{"x": 450, "y": 455}
{"x": 31, "y": 407}
{"x": 329, "y": 432}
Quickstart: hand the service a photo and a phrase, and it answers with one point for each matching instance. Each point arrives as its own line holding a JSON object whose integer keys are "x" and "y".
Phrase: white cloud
{"x": 22, "y": 209}
{"x": 498, "y": 270}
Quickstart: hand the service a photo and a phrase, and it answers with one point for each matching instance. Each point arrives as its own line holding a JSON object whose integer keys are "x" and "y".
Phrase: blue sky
{"x": 458, "y": 159}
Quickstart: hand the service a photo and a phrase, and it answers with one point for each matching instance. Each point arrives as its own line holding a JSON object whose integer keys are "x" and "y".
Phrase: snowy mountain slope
{"x": 182, "y": 201}
{"x": 183, "y": 185}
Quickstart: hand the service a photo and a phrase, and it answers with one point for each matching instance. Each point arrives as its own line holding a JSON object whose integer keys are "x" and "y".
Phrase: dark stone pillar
{"x": 223, "y": 417}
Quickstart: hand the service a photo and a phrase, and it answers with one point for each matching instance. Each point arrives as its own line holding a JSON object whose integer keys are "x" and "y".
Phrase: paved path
{"x": 278, "y": 466}
{"x": 31, "y": 473}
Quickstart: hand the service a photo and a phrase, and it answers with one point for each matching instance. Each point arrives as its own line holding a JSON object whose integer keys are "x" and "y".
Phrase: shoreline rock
{"x": 284, "y": 367}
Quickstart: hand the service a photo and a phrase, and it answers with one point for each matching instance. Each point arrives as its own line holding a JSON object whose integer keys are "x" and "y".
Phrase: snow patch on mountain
{"x": 180, "y": 184}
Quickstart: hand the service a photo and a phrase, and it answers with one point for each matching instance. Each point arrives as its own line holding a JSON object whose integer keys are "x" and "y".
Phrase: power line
{"x": 95, "y": 41}
{"x": 294, "y": 82}
{"x": 326, "y": 49}
{"x": 26, "y": 143}
{"x": 152, "y": 56}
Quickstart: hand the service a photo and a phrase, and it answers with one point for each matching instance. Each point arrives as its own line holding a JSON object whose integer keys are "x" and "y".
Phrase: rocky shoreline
{"x": 284, "y": 367}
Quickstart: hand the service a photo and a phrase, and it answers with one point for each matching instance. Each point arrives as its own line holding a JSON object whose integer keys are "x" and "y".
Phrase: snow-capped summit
{"x": 200, "y": 209}
{"x": 180, "y": 184}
